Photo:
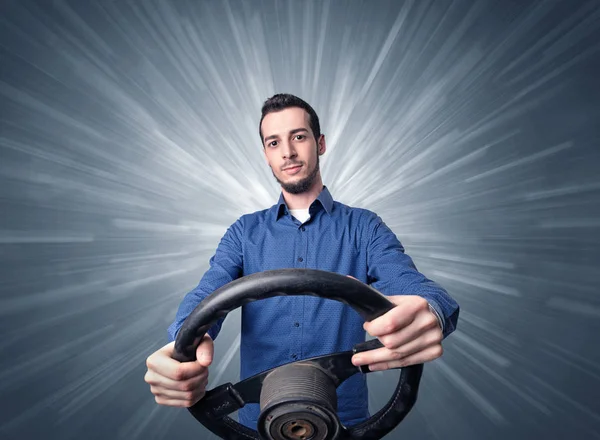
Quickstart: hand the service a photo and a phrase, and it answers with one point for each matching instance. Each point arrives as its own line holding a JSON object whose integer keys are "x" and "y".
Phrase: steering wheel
{"x": 297, "y": 400}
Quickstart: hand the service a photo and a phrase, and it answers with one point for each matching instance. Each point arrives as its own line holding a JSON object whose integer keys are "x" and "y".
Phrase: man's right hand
{"x": 175, "y": 383}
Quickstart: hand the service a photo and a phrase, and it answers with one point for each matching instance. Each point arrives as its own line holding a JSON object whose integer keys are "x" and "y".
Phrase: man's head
{"x": 292, "y": 142}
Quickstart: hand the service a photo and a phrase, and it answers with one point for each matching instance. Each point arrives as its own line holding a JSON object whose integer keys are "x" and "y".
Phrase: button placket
{"x": 303, "y": 262}
{"x": 303, "y": 248}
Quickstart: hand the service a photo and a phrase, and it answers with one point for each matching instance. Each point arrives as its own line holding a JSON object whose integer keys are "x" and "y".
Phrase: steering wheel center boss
{"x": 297, "y": 400}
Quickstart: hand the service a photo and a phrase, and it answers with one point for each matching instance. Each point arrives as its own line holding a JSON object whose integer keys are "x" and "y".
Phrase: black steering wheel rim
{"x": 368, "y": 302}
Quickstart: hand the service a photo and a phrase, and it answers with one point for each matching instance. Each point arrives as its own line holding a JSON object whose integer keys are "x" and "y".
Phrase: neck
{"x": 305, "y": 199}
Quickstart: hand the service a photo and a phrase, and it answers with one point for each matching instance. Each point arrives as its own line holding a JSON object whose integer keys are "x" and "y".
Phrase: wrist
{"x": 433, "y": 310}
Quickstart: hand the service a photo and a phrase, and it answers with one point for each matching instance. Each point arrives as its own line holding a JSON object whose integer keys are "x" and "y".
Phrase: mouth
{"x": 292, "y": 169}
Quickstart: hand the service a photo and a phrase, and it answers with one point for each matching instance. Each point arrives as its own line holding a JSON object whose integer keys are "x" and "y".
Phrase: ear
{"x": 322, "y": 147}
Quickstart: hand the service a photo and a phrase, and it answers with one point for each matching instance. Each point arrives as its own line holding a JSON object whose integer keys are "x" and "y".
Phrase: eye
{"x": 299, "y": 137}
{"x": 272, "y": 144}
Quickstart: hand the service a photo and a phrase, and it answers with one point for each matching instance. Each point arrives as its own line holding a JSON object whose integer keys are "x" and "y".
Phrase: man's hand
{"x": 410, "y": 333}
{"x": 175, "y": 383}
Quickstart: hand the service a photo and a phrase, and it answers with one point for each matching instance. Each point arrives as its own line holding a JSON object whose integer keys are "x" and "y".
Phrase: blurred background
{"x": 129, "y": 143}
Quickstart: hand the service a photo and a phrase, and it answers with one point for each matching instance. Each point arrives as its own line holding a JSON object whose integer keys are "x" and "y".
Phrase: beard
{"x": 301, "y": 185}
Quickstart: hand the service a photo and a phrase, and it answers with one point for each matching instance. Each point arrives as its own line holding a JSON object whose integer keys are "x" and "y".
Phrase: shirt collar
{"x": 324, "y": 198}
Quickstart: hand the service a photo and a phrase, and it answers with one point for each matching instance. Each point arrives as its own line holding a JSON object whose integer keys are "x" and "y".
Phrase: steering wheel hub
{"x": 298, "y": 402}
{"x": 299, "y": 429}
{"x": 299, "y": 422}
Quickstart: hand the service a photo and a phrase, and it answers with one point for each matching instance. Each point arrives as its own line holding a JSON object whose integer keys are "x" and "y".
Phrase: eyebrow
{"x": 294, "y": 131}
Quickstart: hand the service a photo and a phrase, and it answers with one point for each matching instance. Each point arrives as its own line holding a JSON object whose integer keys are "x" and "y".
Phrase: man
{"x": 308, "y": 229}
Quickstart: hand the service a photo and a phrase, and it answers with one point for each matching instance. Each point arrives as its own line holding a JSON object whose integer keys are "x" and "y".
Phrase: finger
{"x": 162, "y": 364}
{"x": 176, "y": 402}
{"x": 372, "y": 356}
{"x": 430, "y": 337}
{"x": 205, "y": 351}
{"x": 427, "y": 355}
{"x": 414, "y": 345}
{"x": 180, "y": 395}
{"x": 423, "y": 323}
{"x": 423, "y": 342}
{"x": 390, "y": 322}
{"x": 157, "y": 380}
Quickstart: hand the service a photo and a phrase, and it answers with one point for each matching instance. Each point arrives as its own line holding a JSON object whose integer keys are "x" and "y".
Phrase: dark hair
{"x": 284, "y": 100}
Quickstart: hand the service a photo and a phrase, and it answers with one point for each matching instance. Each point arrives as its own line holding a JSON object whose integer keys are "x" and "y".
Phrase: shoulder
{"x": 255, "y": 220}
{"x": 363, "y": 221}
{"x": 244, "y": 225}
{"x": 370, "y": 227}
{"x": 364, "y": 216}
{"x": 256, "y": 216}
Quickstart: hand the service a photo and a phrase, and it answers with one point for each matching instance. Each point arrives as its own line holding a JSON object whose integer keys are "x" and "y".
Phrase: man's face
{"x": 291, "y": 150}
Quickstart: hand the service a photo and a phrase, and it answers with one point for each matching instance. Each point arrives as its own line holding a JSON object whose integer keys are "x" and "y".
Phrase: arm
{"x": 393, "y": 272}
{"x": 225, "y": 266}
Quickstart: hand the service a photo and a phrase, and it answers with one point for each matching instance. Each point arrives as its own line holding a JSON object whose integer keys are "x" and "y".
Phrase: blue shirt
{"x": 276, "y": 331}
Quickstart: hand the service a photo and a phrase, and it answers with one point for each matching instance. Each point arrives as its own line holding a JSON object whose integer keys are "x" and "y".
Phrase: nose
{"x": 287, "y": 150}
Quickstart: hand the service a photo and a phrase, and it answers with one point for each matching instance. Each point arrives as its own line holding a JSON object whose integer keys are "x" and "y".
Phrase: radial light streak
{"x": 478, "y": 399}
{"x": 129, "y": 143}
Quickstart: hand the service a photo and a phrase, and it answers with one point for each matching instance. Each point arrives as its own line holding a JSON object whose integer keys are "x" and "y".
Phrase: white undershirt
{"x": 301, "y": 214}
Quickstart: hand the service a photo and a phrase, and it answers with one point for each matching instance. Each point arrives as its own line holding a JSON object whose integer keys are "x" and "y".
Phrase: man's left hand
{"x": 410, "y": 333}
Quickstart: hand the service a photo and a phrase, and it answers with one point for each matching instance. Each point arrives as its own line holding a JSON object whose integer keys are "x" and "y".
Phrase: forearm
{"x": 187, "y": 306}
{"x": 393, "y": 272}
{"x": 225, "y": 266}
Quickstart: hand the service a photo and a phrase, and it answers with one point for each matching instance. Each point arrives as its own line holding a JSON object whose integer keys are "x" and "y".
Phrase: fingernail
{"x": 357, "y": 360}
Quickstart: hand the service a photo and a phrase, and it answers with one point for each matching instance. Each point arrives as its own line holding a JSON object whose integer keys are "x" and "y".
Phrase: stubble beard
{"x": 302, "y": 185}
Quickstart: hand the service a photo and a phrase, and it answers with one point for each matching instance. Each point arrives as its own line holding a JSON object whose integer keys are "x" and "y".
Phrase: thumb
{"x": 205, "y": 351}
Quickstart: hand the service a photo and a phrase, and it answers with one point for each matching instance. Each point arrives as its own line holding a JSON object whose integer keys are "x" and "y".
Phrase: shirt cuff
{"x": 437, "y": 315}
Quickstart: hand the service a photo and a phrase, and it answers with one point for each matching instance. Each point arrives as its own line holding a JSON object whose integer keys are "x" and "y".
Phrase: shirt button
{"x": 296, "y": 324}
{"x": 303, "y": 229}
{"x": 300, "y": 259}
{"x": 295, "y": 356}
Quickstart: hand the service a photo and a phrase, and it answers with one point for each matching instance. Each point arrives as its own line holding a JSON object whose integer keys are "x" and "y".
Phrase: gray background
{"x": 128, "y": 144}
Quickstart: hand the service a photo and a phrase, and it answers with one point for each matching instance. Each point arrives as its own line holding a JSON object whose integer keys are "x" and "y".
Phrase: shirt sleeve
{"x": 392, "y": 272}
{"x": 225, "y": 266}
